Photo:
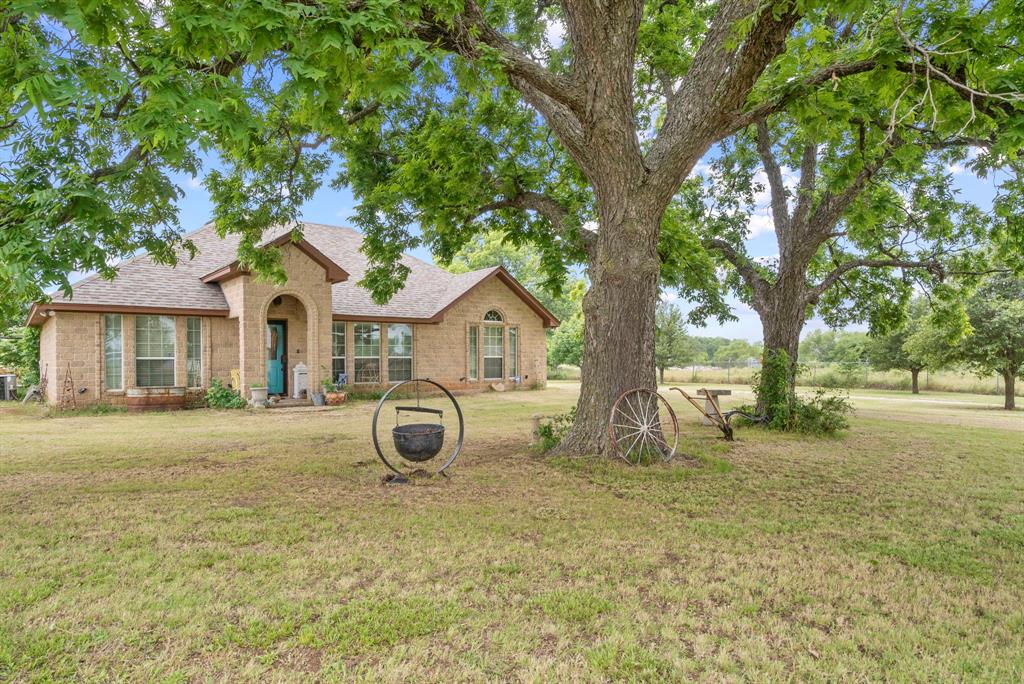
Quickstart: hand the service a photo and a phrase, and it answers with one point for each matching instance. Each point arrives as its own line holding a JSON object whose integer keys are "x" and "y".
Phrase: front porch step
{"x": 290, "y": 403}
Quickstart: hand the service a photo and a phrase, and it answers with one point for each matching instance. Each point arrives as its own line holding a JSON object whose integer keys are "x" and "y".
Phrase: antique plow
{"x": 716, "y": 417}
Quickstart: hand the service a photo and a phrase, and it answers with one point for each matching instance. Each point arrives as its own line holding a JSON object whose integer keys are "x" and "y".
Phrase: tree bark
{"x": 618, "y": 336}
{"x": 782, "y": 312}
{"x": 913, "y": 380}
{"x": 661, "y": 375}
{"x": 1009, "y": 400}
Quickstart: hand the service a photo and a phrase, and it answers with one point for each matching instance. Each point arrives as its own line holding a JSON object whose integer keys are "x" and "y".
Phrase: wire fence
{"x": 839, "y": 376}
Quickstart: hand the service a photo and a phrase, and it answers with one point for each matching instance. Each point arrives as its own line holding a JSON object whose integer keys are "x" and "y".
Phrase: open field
{"x": 945, "y": 381}
{"x": 261, "y": 547}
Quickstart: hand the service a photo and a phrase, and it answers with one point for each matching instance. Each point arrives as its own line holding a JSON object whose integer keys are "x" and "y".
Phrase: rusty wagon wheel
{"x": 643, "y": 427}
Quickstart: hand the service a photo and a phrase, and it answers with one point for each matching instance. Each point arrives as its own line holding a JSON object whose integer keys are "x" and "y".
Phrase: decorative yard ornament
{"x": 418, "y": 442}
{"x": 67, "y": 397}
{"x": 643, "y": 427}
{"x": 715, "y": 416}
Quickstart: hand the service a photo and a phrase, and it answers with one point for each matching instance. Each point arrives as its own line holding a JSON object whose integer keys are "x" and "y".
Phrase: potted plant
{"x": 258, "y": 394}
{"x": 333, "y": 394}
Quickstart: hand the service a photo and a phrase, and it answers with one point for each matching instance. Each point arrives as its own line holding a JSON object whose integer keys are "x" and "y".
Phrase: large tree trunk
{"x": 782, "y": 320}
{"x": 1008, "y": 389}
{"x": 914, "y": 372}
{"x": 618, "y": 314}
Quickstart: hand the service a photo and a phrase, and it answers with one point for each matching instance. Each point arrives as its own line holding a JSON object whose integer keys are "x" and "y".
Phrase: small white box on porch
{"x": 300, "y": 381}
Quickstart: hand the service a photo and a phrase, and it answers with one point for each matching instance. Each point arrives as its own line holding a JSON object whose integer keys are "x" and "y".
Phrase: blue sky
{"x": 338, "y": 206}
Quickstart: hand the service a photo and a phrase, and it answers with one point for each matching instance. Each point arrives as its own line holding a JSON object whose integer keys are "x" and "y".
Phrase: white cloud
{"x": 194, "y": 183}
{"x": 702, "y": 168}
{"x": 760, "y": 223}
{"x": 955, "y": 168}
{"x": 554, "y": 32}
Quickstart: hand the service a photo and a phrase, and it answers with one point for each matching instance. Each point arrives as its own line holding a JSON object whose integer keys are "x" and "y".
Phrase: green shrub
{"x": 552, "y": 430}
{"x": 221, "y": 397}
{"x": 771, "y": 386}
{"x": 825, "y": 413}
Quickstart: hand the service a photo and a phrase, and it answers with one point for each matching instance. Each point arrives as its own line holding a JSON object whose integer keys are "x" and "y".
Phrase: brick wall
{"x": 223, "y": 348}
{"x": 441, "y": 350}
{"x": 48, "y": 356}
{"x": 307, "y": 285}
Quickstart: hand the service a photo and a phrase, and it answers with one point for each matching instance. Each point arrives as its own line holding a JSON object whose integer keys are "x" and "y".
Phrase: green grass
{"x": 261, "y": 546}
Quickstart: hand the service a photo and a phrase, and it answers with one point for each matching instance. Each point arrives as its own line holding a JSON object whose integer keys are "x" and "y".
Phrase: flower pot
{"x": 318, "y": 399}
{"x": 335, "y": 398}
{"x": 258, "y": 396}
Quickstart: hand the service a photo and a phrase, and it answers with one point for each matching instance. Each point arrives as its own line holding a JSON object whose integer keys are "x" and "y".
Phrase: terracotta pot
{"x": 336, "y": 398}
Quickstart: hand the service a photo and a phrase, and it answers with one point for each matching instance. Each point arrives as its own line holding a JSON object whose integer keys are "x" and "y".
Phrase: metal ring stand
{"x": 403, "y": 476}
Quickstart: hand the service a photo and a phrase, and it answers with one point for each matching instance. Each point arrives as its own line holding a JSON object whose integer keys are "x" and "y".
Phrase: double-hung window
{"x": 338, "y": 367}
{"x": 154, "y": 351}
{"x": 474, "y": 352}
{"x": 113, "y": 354}
{"x": 494, "y": 352}
{"x": 399, "y": 352}
{"x": 194, "y": 351}
{"x": 367, "y": 352}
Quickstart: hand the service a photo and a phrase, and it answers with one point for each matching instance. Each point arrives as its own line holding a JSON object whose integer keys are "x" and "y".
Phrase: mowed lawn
{"x": 261, "y": 546}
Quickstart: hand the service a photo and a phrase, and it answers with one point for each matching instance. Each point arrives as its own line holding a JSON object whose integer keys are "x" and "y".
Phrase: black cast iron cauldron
{"x": 418, "y": 442}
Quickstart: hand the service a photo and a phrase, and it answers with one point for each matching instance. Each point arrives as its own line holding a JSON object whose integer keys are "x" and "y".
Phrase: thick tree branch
{"x": 808, "y": 177}
{"x": 799, "y": 88}
{"x": 776, "y": 187}
{"x": 135, "y": 155}
{"x": 816, "y": 291}
{"x": 545, "y": 205}
{"x": 708, "y": 104}
{"x": 831, "y": 207}
{"x": 470, "y": 34}
{"x": 742, "y": 263}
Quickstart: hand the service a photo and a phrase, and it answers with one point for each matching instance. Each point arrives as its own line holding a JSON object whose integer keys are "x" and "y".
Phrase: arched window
{"x": 494, "y": 316}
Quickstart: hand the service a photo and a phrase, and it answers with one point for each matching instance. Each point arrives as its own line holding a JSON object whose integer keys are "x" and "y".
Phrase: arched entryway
{"x": 288, "y": 337}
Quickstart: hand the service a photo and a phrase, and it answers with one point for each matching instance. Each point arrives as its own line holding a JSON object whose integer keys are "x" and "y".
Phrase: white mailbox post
{"x": 300, "y": 381}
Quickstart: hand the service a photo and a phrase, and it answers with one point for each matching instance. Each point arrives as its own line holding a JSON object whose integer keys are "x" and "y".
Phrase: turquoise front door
{"x": 275, "y": 358}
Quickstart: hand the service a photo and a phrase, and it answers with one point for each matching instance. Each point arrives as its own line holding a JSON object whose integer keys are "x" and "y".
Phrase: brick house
{"x": 156, "y": 326}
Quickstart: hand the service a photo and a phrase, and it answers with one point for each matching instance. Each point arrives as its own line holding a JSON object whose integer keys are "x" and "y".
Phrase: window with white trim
{"x": 194, "y": 351}
{"x": 494, "y": 316}
{"x": 494, "y": 352}
{"x": 154, "y": 351}
{"x": 474, "y": 352}
{"x": 367, "y": 352}
{"x": 338, "y": 366}
{"x": 399, "y": 352}
{"x": 113, "y": 354}
{"x": 513, "y": 352}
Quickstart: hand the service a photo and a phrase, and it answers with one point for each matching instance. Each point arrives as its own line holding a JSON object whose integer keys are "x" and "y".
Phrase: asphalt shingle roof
{"x": 142, "y": 282}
